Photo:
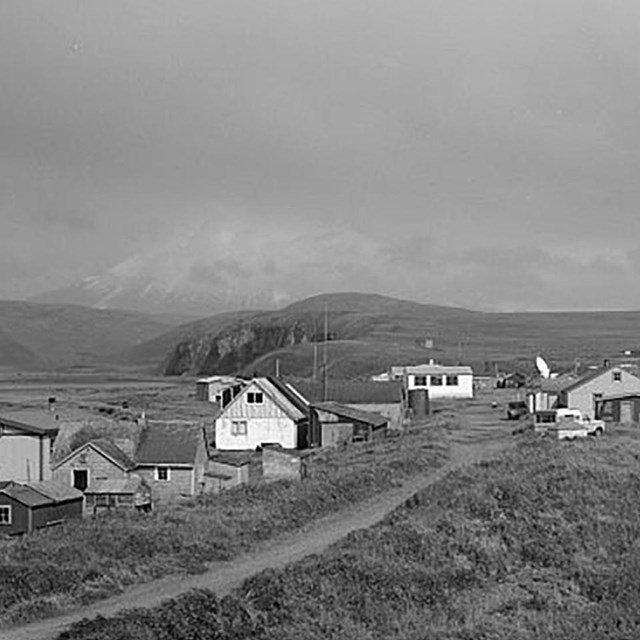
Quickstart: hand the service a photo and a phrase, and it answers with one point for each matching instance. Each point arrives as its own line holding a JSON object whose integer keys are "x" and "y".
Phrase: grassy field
{"x": 52, "y": 571}
{"x": 540, "y": 543}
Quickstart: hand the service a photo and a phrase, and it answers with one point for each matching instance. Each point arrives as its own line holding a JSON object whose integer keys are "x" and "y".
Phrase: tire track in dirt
{"x": 314, "y": 538}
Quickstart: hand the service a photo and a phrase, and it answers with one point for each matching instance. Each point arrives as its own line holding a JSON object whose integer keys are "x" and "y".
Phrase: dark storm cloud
{"x": 466, "y": 145}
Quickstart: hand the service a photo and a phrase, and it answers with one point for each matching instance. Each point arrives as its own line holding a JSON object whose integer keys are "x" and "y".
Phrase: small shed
{"x": 228, "y": 469}
{"x": 279, "y": 463}
{"x": 333, "y": 423}
{"x": 25, "y": 508}
{"x": 118, "y": 494}
{"x": 623, "y": 408}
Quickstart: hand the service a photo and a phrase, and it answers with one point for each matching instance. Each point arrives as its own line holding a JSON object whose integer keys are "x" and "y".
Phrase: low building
{"x": 118, "y": 494}
{"x": 93, "y": 462}
{"x": 441, "y": 381}
{"x": 621, "y": 409}
{"x": 172, "y": 459}
{"x": 26, "y": 442}
{"x": 27, "y": 507}
{"x": 228, "y": 469}
{"x": 283, "y": 464}
{"x": 265, "y": 411}
{"x": 219, "y": 389}
{"x": 385, "y": 398}
{"x": 333, "y": 423}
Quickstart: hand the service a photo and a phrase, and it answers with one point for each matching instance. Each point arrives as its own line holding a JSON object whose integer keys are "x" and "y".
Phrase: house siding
{"x": 99, "y": 466}
{"x": 19, "y": 517}
{"x": 582, "y": 397}
{"x": 266, "y": 423}
{"x": 24, "y": 457}
{"x": 464, "y": 388}
{"x": 181, "y": 482}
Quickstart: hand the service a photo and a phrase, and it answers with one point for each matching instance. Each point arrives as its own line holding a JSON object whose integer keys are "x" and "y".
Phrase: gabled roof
{"x": 169, "y": 444}
{"x": 57, "y": 491}
{"x": 106, "y": 448}
{"x": 5, "y": 483}
{"x": 368, "y": 417}
{"x": 32, "y": 421}
{"x": 557, "y": 384}
{"x": 26, "y": 495}
{"x": 594, "y": 375}
{"x": 278, "y": 392}
{"x": 348, "y": 392}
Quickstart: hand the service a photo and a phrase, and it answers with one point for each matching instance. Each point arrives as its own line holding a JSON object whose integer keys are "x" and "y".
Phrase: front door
{"x": 81, "y": 479}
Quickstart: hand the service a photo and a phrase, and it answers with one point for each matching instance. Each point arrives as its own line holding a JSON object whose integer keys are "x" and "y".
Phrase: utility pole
{"x": 277, "y": 367}
{"x": 315, "y": 360}
{"x": 325, "y": 372}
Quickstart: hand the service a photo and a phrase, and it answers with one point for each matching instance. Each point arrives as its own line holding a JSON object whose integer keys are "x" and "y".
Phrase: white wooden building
{"x": 441, "y": 381}
{"x": 264, "y": 412}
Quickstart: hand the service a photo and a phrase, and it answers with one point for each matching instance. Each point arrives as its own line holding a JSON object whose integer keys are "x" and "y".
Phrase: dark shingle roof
{"x": 169, "y": 444}
{"x": 368, "y": 417}
{"x": 56, "y": 490}
{"x": 114, "y": 452}
{"x": 26, "y": 495}
{"x": 351, "y": 392}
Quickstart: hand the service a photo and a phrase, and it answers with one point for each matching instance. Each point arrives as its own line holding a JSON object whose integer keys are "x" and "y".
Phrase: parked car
{"x": 567, "y": 424}
{"x": 517, "y": 409}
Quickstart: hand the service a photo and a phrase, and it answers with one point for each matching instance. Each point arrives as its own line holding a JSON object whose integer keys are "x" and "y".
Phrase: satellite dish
{"x": 542, "y": 367}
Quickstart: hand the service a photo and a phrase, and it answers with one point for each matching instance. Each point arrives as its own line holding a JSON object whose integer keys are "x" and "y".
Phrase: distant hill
{"x": 36, "y": 335}
{"x": 369, "y": 332}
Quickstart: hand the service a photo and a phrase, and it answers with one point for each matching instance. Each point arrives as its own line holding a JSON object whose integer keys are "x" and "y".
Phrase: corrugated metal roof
{"x": 368, "y": 417}
{"x": 348, "y": 392}
{"x": 56, "y": 490}
{"x": 169, "y": 444}
{"x": 26, "y": 495}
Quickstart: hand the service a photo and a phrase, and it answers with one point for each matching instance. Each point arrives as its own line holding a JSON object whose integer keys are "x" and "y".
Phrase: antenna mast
{"x": 325, "y": 379}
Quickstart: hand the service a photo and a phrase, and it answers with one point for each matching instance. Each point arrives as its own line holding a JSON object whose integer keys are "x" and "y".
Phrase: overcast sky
{"x": 484, "y": 154}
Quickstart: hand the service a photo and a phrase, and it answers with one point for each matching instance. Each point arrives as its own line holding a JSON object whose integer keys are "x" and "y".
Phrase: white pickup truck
{"x": 567, "y": 424}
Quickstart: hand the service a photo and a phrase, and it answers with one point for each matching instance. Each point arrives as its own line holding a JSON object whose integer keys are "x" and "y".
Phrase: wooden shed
{"x": 25, "y": 508}
{"x": 279, "y": 463}
{"x": 118, "y": 494}
{"x": 228, "y": 469}
{"x": 333, "y": 423}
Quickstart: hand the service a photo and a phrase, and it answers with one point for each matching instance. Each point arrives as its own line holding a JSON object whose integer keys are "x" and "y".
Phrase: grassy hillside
{"x": 67, "y": 335}
{"x": 370, "y": 332}
{"x": 540, "y": 544}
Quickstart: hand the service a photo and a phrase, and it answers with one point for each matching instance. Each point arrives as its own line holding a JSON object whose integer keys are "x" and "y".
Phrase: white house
{"x": 266, "y": 411}
{"x": 441, "y": 381}
{"x": 26, "y": 440}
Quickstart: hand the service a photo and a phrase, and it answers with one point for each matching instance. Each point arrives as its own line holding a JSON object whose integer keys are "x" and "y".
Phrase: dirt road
{"x": 480, "y": 437}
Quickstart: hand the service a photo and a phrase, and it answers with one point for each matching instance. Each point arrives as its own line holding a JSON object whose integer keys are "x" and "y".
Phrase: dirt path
{"x": 475, "y": 442}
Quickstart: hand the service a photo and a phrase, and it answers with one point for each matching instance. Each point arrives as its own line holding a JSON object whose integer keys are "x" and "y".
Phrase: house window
{"x": 162, "y": 474}
{"x": 420, "y": 381}
{"x": 452, "y": 381}
{"x": 255, "y": 397}
{"x": 436, "y": 381}
{"x": 5, "y": 514}
{"x": 80, "y": 479}
{"x": 239, "y": 428}
{"x": 617, "y": 376}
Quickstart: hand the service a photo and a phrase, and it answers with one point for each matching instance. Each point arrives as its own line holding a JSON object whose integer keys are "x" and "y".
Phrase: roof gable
{"x": 367, "y": 417}
{"x": 277, "y": 392}
{"x": 105, "y": 448}
{"x": 597, "y": 374}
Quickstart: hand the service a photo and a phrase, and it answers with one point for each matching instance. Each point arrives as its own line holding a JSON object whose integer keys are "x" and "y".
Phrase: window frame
{"x": 9, "y": 520}
{"x": 239, "y": 432}
{"x": 420, "y": 381}
{"x": 255, "y": 397}
{"x": 452, "y": 380}
{"x": 158, "y": 469}
{"x": 436, "y": 380}
{"x": 616, "y": 376}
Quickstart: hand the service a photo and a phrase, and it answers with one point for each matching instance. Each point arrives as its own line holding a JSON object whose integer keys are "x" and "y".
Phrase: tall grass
{"x": 542, "y": 543}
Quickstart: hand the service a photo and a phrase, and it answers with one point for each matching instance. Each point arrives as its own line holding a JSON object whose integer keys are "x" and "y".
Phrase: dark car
{"x": 517, "y": 409}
